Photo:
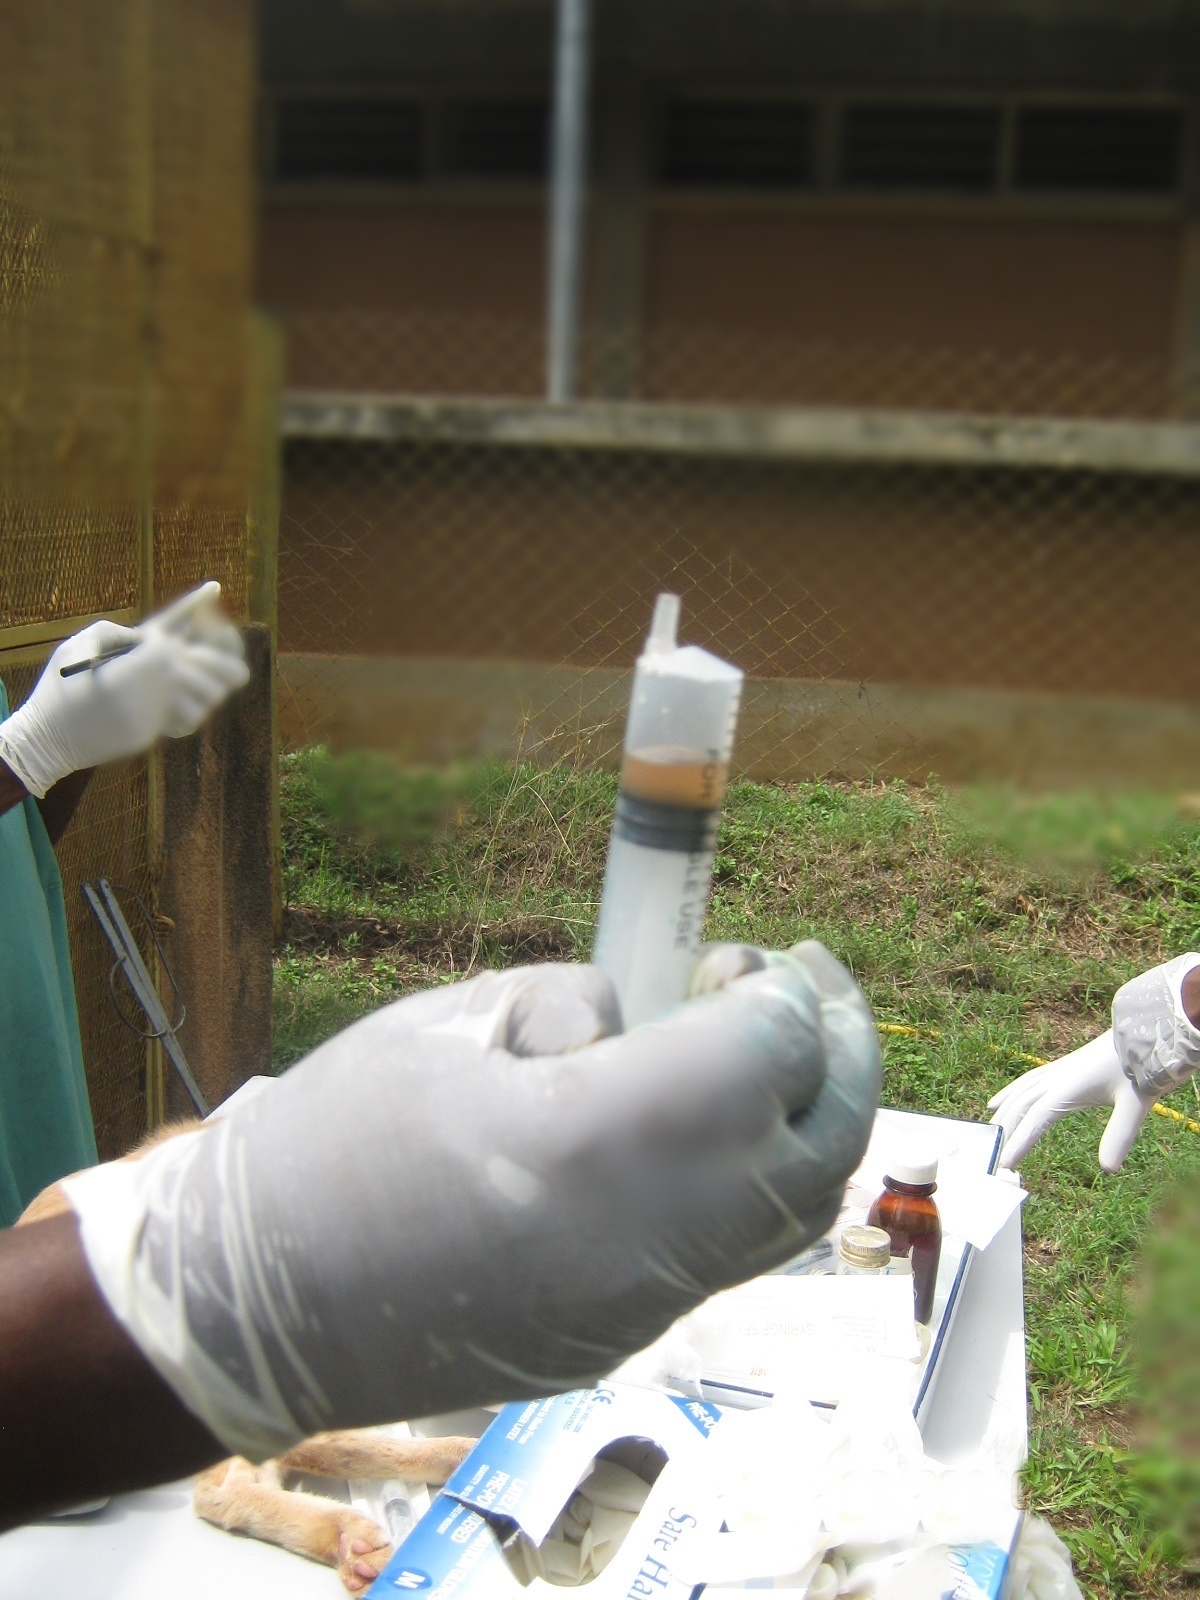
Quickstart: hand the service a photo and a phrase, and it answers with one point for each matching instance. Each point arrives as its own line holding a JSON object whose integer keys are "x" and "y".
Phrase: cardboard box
{"x": 522, "y": 1473}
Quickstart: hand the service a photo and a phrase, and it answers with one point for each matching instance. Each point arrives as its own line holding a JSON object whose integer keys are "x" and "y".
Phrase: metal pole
{"x": 568, "y": 189}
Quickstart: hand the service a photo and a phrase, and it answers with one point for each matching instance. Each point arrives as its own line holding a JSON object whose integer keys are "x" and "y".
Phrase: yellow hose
{"x": 908, "y": 1030}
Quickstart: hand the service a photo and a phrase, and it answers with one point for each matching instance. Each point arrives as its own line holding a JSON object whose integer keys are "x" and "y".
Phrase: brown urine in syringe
{"x": 668, "y": 775}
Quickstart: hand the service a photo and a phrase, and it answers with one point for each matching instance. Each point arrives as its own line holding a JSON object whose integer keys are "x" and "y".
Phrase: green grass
{"x": 394, "y": 881}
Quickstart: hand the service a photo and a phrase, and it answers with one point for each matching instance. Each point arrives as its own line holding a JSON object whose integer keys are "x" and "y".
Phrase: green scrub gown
{"x": 45, "y": 1119}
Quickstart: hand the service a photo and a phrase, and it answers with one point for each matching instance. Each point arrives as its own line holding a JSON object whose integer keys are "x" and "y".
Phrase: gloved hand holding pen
{"x": 1152, "y": 1047}
{"x": 172, "y": 671}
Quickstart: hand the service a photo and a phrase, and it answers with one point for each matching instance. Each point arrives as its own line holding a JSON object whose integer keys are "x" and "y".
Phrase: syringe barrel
{"x": 678, "y": 743}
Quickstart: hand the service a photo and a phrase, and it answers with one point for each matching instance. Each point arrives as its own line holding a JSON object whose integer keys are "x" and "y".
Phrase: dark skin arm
{"x": 59, "y": 805}
{"x": 82, "y": 1414}
{"x": 12, "y": 790}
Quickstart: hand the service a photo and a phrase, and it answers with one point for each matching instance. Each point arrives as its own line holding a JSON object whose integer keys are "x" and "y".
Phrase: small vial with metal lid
{"x": 908, "y": 1214}
{"x": 863, "y": 1250}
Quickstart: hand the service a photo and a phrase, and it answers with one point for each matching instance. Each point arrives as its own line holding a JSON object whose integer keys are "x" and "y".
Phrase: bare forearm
{"x": 82, "y": 1414}
{"x": 59, "y": 805}
{"x": 12, "y": 790}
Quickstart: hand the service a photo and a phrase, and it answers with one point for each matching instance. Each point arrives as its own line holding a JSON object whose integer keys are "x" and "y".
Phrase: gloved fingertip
{"x": 554, "y": 1015}
{"x": 231, "y": 675}
{"x": 1020, "y": 1139}
{"x": 1130, "y": 1110}
{"x": 719, "y": 965}
{"x": 833, "y": 980}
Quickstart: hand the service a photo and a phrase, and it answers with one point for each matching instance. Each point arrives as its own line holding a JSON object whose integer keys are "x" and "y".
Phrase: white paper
{"x": 975, "y": 1207}
{"x": 818, "y": 1333}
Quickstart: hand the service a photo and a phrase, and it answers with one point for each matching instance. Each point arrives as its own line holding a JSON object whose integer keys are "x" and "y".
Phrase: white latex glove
{"x": 480, "y": 1193}
{"x": 198, "y": 622}
{"x": 1151, "y": 1048}
{"x": 187, "y": 659}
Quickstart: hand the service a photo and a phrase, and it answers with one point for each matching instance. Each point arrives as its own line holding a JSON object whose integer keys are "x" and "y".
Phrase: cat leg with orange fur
{"x": 243, "y": 1498}
{"x": 369, "y": 1453}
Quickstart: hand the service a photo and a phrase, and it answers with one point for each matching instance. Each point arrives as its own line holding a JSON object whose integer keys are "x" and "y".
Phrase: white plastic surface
{"x": 144, "y": 1546}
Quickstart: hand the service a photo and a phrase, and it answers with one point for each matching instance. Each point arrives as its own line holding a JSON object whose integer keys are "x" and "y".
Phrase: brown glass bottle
{"x": 907, "y": 1213}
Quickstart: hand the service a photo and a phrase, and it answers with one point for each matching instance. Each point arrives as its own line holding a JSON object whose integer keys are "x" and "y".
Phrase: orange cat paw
{"x": 361, "y": 1560}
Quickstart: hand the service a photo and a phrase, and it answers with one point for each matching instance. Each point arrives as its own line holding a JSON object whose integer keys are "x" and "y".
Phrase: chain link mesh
{"x": 359, "y": 348}
{"x": 847, "y": 590}
{"x": 824, "y": 582}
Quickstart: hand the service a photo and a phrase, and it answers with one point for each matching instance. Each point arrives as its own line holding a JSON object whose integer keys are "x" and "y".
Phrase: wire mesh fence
{"x": 124, "y": 283}
{"x": 743, "y": 250}
{"x": 859, "y": 597}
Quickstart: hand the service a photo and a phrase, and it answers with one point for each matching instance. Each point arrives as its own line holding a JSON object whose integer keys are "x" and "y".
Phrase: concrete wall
{"x": 1097, "y": 44}
{"x": 1049, "y": 305}
{"x": 947, "y": 308}
{"x": 907, "y": 578}
{"x": 944, "y": 307}
{"x": 419, "y": 294}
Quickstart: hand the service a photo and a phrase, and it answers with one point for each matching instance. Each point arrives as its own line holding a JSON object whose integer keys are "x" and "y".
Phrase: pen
{"x": 92, "y": 662}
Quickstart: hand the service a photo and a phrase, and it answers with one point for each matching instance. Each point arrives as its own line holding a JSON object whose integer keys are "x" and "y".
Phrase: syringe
{"x": 678, "y": 741}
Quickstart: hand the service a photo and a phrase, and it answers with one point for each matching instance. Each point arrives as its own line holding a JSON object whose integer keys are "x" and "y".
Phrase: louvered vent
{"x": 921, "y": 147}
{"x": 1113, "y": 150}
{"x": 754, "y": 144}
{"x": 377, "y": 141}
{"x": 495, "y": 139}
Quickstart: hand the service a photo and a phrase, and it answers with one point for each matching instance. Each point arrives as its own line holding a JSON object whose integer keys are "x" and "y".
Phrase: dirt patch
{"x": 454, "y": 949}
{"x": 1059, "y": 1025}
{"x": 308, "y": 928}
{"x": 1113, "y": 1427}
{"x": 1041, "y": 1252}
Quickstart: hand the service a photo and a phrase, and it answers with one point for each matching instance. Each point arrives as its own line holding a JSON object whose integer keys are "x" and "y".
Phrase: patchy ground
{"x": 1000, "y": 948}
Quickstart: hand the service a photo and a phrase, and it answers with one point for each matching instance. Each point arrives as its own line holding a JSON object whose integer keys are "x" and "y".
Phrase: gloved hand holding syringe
{"x": 488, "y": 1190}
{"x": 678, "y": 744}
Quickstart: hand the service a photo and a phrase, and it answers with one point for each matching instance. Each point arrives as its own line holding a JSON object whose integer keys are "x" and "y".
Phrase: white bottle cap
{"x": 918, "y": 1169}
